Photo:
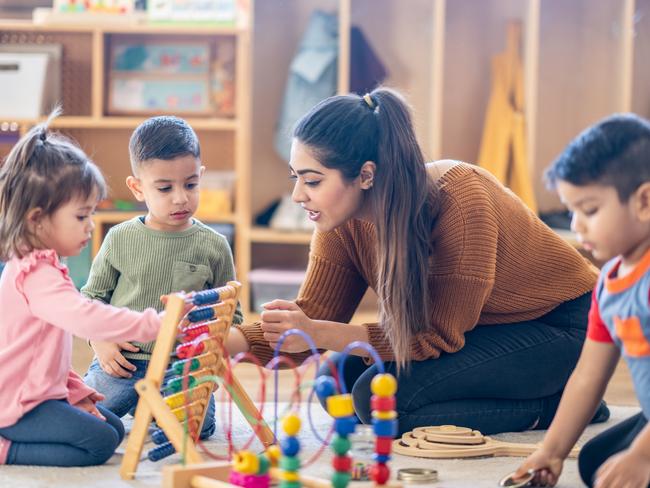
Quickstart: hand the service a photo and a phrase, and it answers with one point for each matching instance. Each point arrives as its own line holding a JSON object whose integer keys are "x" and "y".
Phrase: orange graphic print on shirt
{"x": 631, "y": 334}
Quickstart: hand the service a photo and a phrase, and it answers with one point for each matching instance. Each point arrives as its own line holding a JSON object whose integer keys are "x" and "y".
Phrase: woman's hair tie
{"x": 369, "y": 101}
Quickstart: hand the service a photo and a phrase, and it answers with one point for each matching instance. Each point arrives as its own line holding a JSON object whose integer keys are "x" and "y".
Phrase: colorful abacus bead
{"x": 246, "y": 462}
{"x": 384, "y": 421}
{"x": 290, "y": 447}
{"x": 325, "y": 386}
{"x": 273, "y": 453}
{"x": 250, "y": 470}
{"x": 341, "y": 408}
{"x": 379, "y": 473}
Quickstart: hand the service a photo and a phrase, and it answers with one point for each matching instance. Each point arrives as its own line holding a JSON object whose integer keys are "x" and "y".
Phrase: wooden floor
{"x": 619, "y": 392}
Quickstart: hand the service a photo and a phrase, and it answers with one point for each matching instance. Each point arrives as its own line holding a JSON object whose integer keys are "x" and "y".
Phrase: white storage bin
{"x": 27, "y": 79}
{"x": 269, "y": 284}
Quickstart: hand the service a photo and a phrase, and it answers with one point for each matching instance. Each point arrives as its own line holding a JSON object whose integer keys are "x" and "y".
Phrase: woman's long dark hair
{"x": 345, "y": 131}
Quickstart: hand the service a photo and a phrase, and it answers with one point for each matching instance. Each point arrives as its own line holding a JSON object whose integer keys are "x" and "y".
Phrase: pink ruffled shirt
{"x": 40, "y": 311}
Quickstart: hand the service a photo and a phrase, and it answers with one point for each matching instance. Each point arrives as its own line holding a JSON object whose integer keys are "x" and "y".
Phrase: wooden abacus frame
{"x": 151, "y": 403}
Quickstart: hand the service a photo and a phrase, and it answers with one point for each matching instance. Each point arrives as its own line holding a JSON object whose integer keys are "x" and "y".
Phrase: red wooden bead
{"x": 382, "y": 404}
{"x": 383, "y": 445}
{"x": 379, "y": 473}
{"x": 342, "y": 463}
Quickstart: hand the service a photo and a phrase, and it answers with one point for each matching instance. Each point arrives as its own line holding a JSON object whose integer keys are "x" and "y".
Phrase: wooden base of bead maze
{"x": 215, "y": 475}
{"x": 152, "y": 405}
{"x": 450, "y": 441}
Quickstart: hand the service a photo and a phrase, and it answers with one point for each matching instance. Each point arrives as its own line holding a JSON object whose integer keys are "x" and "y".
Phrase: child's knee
{"x": 589, "y": 460}
{"x": 108, "y": 439}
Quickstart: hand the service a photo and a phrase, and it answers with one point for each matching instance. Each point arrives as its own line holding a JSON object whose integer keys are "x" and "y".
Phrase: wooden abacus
{"x": 213, "y": 317}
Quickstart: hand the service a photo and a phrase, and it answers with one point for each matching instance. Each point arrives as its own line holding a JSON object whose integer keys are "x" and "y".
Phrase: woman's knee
{"x": 361, "y": 395}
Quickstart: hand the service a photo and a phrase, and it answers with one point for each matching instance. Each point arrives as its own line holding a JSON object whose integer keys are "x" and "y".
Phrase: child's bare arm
{"x": 581, "y": 397}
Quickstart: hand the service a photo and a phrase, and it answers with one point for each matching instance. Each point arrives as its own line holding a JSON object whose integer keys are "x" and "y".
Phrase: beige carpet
{"x": 454, "y": 473}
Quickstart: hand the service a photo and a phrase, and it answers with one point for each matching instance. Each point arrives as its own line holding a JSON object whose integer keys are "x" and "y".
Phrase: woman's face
{"x": 328, "y": 198}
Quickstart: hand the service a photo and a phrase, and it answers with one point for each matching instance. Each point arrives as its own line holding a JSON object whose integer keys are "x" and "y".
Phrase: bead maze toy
{"x": 180, "y": 414}
{"x": 450, "y": 441}
{"x": 281, "y": 462}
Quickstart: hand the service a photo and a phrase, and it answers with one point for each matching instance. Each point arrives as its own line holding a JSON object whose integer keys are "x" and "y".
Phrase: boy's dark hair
{"x": 165, "y": 137}
{"x": 614, "y": 152}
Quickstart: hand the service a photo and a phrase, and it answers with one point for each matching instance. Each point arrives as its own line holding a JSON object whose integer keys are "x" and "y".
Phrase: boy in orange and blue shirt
{"x": 603, "y": 177}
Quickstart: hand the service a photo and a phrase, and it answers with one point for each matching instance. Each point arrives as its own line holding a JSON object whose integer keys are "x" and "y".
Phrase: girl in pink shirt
{"x": 48, "y": 191}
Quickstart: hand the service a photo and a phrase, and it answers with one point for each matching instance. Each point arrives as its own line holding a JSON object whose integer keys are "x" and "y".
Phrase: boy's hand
{"x": 627, "y": 468}
{"x": 547, "y": 466}
{"x": 87, "y": 404}
{"x": 111, "y": 359}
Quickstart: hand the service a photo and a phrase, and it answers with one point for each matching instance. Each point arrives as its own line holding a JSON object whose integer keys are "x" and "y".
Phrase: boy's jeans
{"x": 121, "y": 397}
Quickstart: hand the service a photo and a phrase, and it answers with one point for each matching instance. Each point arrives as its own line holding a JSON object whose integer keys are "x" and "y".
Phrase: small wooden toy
{"x": 450, "y": 441}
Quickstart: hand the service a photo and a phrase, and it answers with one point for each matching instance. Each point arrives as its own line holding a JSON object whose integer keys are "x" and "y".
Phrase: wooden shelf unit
{"x": 225, "y": 141}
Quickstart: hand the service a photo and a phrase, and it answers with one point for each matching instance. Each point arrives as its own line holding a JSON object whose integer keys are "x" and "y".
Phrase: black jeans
{"x": 599, "y": 449}
{"x": 506, "y": 378}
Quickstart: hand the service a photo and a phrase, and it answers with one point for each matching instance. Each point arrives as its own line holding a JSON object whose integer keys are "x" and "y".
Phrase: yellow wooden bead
{"x": 383, "y": 385}
{"x": 291, "y": 424}
{"x": 340, "y": 405}
{"x": 289, "y": 476}
{"x": 246, "y": 462}
{"x": 274, "y": 453}
{"x": 385, "y": 415}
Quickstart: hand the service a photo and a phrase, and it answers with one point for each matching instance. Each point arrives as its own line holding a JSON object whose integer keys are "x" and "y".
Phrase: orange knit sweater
{"x": 494, "y": 262}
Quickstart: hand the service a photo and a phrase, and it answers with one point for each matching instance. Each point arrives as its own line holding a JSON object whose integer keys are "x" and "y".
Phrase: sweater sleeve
{"x": 103, "y": 277}
{"x": 332, "y": 290}
{"x": 53, "y": 298}
{"x": 77, "y": 389}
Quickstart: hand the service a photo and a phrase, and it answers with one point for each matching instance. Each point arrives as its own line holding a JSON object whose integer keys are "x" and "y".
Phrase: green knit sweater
{"x": 136, "y": 265}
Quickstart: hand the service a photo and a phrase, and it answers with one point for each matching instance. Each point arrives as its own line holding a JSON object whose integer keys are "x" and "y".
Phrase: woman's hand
{"x": 629, "y": 469}
{"x": 280, "y": 316}
{"x": 547, "y": 467}
{"x": 87, "y": 404}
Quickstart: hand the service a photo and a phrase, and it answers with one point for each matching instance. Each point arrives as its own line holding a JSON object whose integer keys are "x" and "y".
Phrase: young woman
{"x": 482, "y": 308}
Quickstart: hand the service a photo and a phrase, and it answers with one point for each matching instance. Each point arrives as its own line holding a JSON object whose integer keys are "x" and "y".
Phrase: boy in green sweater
{"x": 165, "y": 251}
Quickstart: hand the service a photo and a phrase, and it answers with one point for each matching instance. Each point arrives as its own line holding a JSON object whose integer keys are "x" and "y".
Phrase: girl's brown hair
{"x": 43, "y": 170}
{"x": 345, "y": 131}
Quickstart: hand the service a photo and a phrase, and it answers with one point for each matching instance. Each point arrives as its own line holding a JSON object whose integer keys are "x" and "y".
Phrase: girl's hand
{"x": 186, "y": 308}
{"x": 547, "y": 467}
{"x": 111, "y": 359}
{"x": 628, "y": 469}
{"x": 87, "y": 404}
{"x": 280, "y": 316}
